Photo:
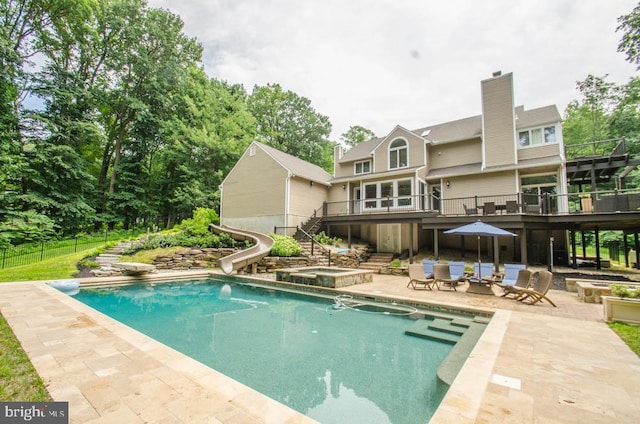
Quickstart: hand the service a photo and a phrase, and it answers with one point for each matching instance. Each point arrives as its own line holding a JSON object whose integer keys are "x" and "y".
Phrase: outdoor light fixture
{"x": 448, "y": 183}
{"x": 311, "y": 183}
{"x": 344, "y": 186}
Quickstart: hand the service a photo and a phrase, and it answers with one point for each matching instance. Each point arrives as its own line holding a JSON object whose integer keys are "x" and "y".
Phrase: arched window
{"x": 398, "y": 154}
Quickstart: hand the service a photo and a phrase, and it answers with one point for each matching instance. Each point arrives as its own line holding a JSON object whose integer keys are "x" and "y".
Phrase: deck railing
{"x": 517, "y": 203}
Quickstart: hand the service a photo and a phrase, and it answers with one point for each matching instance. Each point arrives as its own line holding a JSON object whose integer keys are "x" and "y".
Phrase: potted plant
{"x": 623, "y": 305}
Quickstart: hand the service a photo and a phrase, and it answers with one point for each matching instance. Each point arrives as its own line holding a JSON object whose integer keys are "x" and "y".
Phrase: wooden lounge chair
{"x": 428, "y": 267}
{"x": 441, "y": 275}
{"x": 538, "y": 290}
{"x": 521, "y": 282}
{"x": 417, "y": 278}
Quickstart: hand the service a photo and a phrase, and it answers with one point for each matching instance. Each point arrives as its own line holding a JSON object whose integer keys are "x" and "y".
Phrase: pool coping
{"x": 462, "y": 400}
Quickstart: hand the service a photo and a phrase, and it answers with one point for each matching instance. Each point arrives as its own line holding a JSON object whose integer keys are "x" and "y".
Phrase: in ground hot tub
{"x": 332, "y": 277}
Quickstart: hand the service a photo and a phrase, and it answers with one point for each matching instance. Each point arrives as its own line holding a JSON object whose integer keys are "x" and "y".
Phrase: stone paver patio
{"x": 533, "y": 364}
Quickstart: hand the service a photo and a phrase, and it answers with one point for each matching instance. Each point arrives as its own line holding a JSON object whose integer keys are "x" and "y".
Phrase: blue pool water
{"x": 334, "y": 365}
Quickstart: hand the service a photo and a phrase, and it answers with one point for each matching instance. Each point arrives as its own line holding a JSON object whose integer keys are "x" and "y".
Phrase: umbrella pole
{"x": 479, "y": 259}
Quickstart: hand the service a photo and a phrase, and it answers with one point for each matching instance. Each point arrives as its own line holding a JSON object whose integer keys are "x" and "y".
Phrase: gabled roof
{"x": 297, "y": 166}
{"x": 362, "y": 150}
{"x": 461, "y": 129}
{"x": 458, "y": 130}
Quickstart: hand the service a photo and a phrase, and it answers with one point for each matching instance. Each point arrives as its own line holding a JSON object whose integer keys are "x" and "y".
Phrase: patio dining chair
{"x": 511, "y": 206}
{"x": 470, "y": 211}
{"x": 418, "y": 278}
{"x": 489, "y": 208}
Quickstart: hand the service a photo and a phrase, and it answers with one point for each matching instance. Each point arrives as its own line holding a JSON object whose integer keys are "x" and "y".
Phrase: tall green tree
{"x": 588, "y": 119}
{"x": 208, "y": 132}
{"x": 287, "y": 122}
{"x": 356, "y": 134}
{"x": 629, "y": 25}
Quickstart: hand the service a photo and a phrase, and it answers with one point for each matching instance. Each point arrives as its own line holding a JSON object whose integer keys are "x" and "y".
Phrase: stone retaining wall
{"x": 208, "y": 258}
{"x": 192, "y": 259}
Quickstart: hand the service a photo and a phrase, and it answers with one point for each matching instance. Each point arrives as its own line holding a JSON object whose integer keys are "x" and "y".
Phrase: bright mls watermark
{"x": 34, "y": 412}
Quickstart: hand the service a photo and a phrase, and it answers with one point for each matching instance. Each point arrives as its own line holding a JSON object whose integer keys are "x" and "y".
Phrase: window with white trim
{"x": 363, "y": 167}
{"x": 398, "y": 154}
{"x": 537, "y": 136}
{"x": 388, "y": 194}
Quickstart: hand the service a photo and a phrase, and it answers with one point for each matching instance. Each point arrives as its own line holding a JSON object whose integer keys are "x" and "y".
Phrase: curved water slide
{"x": 260, "y": 249}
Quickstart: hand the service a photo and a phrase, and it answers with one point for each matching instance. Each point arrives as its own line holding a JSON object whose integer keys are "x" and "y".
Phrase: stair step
{"x": 449, "y": 368}
{"x": 421, "y": 328}
{"x": 446, "y": 326}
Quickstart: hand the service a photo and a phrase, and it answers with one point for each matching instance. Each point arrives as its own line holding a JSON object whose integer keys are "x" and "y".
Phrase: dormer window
{"x": 363, "y": 167}
{"x": 398, "y": 154}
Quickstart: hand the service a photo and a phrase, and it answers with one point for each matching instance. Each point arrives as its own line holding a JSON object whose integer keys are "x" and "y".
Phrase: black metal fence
{"x": 37, "y": 252}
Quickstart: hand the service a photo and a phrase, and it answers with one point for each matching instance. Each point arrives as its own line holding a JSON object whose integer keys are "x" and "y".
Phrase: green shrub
{"x": 322, "y": 238}
{"x": 199, "y": 224}
{"x": 284, "y": 246}
{"x": 622, "y": 290}
{"x": 202, "y": 241}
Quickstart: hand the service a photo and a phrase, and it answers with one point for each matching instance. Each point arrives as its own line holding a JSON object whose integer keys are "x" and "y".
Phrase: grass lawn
{"x": 18, "y": 380}
{"x": 630, "y": 334}
{"x": 58, "y": 268}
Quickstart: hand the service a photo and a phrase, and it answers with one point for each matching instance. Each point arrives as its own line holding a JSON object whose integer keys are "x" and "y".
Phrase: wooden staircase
{"x": 377, "y": 261}
{"x": 312, "y": 226}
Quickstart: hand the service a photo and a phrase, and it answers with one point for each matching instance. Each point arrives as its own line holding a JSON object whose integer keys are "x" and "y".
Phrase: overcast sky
{"x": 382, "y": 63}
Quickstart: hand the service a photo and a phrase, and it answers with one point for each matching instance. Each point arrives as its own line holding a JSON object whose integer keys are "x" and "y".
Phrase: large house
{"x": 399, "y": 191}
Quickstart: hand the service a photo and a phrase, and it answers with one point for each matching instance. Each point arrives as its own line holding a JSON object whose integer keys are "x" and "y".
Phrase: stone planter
{"x": 621, "y": 309}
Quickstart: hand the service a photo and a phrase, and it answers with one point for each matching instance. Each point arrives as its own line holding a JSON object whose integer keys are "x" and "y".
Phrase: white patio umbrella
{"x": 479, "y": 229}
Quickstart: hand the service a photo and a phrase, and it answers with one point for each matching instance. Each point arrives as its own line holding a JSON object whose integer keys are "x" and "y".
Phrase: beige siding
{"x": 261, "y": 224}
{"x": 498, "y": 120}
{"x": 539, "y": 151}
{"x": 455, "y": 154}
{"x": 255, "y": 180}
{"x": 416, "y": 152}
{"x": 345, "y": 169}
{"x": 305, "y": 198}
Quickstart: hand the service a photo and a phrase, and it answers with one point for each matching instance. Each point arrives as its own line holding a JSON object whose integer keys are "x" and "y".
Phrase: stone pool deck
{"x": 533, "y": 364}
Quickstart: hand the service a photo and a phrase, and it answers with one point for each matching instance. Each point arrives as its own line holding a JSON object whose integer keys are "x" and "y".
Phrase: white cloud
{"x": 379, "y": 63}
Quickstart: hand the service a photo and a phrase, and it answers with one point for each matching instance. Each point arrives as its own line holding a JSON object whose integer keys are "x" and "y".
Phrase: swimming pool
{"x": 333, "y": 364}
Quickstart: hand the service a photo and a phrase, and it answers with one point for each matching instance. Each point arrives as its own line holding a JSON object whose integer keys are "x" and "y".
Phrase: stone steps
{"x": 377, "y": 261}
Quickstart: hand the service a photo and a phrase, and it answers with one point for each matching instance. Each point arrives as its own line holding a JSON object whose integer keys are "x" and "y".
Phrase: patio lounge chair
{"x": 538, "y": 290}
{"x": 521, "y": 282}
{"x": 417, "y": 278}
{"x": 456, "y": 270}
{"x": 441, "y": 275}
{"x": 511, "y": 273}
{"x": 483, "y": 271}
{"x": 428, "y": 267}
